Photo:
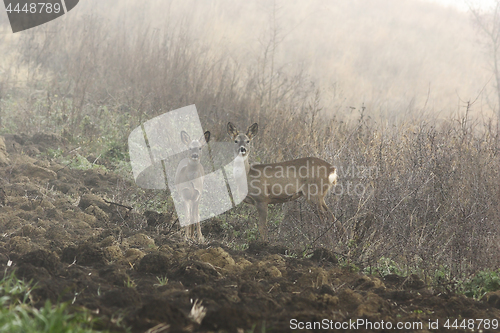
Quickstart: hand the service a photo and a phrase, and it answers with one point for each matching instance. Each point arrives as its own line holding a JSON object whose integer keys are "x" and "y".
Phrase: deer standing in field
{"x": 189, "y": 179}
{"x": 280, "y": 182}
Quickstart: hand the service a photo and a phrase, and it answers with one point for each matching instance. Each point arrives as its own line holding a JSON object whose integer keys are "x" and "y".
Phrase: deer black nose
{"x": 243, "y": 149}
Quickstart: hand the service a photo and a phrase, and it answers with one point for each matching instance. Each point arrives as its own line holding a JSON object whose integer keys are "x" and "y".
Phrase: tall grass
{"x": 420, "y": 190}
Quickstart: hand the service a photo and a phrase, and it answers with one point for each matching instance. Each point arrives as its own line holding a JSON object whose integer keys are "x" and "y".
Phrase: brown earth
{"x": 62, "y": 229}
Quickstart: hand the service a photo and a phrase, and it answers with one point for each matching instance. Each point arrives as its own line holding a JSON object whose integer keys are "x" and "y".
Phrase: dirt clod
{"x": 85, "y": 255}
{"x": 57, "y": 230}
{"x": 42, "y": 258}
{"x": 154, "y": 263}
{"x": 493, "y": 299}
{"x": 121, "y": 298}
{"x": 324, "y": 255}
{"x": 88, "y": 200}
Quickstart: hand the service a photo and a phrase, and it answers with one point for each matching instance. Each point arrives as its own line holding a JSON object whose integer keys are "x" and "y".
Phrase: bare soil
{"x": 61, "y": 228}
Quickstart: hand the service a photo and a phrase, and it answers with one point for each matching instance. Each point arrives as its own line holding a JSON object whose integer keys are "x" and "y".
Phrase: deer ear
{"x": 185, "y": 138}
{"x": 231, "y": 130}
{"x": 204, "y": 138}
{"x": 252, "y": 130}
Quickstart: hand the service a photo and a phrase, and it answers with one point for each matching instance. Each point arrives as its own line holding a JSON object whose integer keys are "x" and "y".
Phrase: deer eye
{"x": 248, "y": 141}
{"x": 235, "y": 141}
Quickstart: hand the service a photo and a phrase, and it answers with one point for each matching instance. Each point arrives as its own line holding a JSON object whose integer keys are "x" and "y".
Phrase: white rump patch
{"x": 332, "y": 178}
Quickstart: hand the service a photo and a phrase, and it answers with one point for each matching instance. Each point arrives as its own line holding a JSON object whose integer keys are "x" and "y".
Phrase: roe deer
{"x": 274, "y": 183}
{"x": 189, "y": 179}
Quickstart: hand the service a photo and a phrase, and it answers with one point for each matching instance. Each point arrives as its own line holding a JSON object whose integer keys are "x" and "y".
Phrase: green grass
{"x": 76, "y": 161}
{"x": 474, "y": 287}
{"x": 385, "y": 266}
{"x": 17, "y": 314}
{"x": 129, "y": 283}
{"x": 482, "y": 283}
{"x": 162, "y": 281}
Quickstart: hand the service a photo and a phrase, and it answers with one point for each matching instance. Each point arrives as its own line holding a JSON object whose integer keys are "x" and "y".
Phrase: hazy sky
{"x": 462, "y": 4}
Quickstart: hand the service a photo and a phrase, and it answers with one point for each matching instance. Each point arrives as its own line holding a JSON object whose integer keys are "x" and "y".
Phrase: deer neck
{"x": 247, "y": 164}
{"x": 193, "y": 163}
{"x": 239, "y": 160}
{"x": 193, "y": 166}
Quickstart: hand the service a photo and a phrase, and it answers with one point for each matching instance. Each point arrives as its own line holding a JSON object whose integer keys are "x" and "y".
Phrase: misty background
{"x": 402, "y": 90}
{"x": 391, "y": 56}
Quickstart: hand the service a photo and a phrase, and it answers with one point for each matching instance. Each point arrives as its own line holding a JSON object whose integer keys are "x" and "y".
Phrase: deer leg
{"x": 323, "y": 208}
{"x": 326, "y": 210}
{"x": 201, "y": 239}
{"x": 190, "y": 234}
{"x": 196, "y": 218}
{"x": 318, "y": 203}
{"x": 323, "y": 212}
{"x": 262, "y": 210}
{"x": 189, "y": 227}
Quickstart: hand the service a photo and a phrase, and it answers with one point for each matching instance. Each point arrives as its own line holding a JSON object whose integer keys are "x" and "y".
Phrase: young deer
{"x": 189, "y": 179}
{"x": 274, "y": 183}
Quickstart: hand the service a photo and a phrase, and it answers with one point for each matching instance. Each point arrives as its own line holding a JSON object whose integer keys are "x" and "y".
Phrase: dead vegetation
{"x": 418, "y": 193}
{"x": 80, "y": 249}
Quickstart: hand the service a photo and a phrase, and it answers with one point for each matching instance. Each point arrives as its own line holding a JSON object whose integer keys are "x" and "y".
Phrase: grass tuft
{"x": 18, "y": 315}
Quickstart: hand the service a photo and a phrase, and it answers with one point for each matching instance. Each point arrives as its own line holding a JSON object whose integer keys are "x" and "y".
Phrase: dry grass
{"x": 414, "y": 186}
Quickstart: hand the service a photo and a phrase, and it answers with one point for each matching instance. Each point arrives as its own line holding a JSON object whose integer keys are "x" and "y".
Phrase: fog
{"x": 390, "y": 56}
{"x": 397, "y": 95}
